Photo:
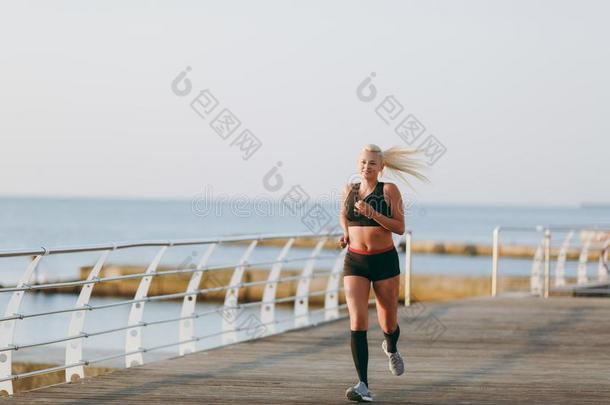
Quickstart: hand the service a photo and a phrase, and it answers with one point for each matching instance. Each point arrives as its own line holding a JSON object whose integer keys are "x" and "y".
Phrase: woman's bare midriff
{"x": 369, "y": 237}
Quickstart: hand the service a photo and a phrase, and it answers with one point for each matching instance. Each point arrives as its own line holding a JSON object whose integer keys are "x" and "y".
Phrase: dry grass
{"x": 45, "y": 380}
{"x": 424, "y": 287}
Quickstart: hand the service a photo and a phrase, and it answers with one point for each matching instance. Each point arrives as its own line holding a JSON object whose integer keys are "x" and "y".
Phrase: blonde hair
{"x": 399, "y": 161}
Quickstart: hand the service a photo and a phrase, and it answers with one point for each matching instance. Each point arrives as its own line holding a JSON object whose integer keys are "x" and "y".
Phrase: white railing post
{"x": 408, "y": 265}
{"x": 74, "y": 362}
{"x": 74, "y": 348}
{"x": 494, "y": 261}
{"x": 186, "y": 327}
{"x": 547, "y": 261}
{"x": 602, "y": 269}
{"x": 229, "y": 314}
{"x": 7, "y": 328}
{"x": 270, "y": 292}
{"x": 301, "y": 303}
{"x": 582, "y": 277}
{"x": 331, "y": 299}
{"x": 536, "y": 276}
{"x": 133, "y": 337}
{"x": 560, "y": 269}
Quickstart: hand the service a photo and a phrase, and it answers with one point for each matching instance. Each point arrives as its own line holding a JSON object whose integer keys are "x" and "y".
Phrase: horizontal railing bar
{"x": 579, "y": 228}
{"x": 560, "y": 228}
{"x": 151, "y": 298}
{"x": 178, "y": 242}
{"x": 590, "y": 291}
{"x": 44, "y": 371}
{"x": 144, "y": 324}
{"x": 47, "y": 342}
{"x": 155, "y": 274}
{"x": 144, "y": 350}
{"x": 197, "y": 338}
{"x": 114, "y": 356}
{"x": 314, "y": 294}
{"x": 283, "y": 279}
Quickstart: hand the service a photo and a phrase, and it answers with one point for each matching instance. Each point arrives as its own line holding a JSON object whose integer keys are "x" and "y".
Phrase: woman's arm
{"x": 344, "y": 240}
{"x": 396, "y": 223}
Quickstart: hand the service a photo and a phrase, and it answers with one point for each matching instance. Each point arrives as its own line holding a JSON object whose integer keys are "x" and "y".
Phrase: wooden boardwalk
{"x": 483, "y": 351}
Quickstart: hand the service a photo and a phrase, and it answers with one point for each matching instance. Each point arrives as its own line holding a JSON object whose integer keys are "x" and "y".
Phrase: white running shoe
{"x": 396, "y": 364}
{"x": 359, "y": 392}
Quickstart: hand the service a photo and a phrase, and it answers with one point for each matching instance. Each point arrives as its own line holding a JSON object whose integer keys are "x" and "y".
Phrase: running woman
{"x": 371, "y": 211}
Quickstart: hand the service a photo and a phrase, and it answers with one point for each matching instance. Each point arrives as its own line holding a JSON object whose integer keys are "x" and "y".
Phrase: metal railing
{"x": 265, "y": 325}
{"x": 542, "y": 255}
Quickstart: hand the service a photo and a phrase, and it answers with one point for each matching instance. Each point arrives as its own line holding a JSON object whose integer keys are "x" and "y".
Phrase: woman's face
{"x": 369, "y": 165}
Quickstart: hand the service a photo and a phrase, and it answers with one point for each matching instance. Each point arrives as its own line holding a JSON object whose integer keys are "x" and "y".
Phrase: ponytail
{"x": 399, "y": 161}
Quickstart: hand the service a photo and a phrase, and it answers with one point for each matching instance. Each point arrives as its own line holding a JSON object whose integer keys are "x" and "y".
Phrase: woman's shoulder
{"x": 349, "y": 187}
{"x": 390, "y": 187}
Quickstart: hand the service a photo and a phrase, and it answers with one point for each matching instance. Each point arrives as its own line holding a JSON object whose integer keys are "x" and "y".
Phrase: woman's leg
{"x": 386, "y": 296}
{"x": 357, "y": 291}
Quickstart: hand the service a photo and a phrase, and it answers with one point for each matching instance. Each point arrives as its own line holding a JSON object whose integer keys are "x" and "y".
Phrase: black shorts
{"x": 375, "y": 267}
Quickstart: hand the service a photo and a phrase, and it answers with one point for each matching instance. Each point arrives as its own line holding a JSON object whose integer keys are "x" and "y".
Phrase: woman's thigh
{"x": 386, "y": 296}
{"x": 357, "y": 290}
{"x": 387, "y": 291}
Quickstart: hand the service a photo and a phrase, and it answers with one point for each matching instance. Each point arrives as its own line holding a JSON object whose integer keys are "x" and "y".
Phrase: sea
{"x": 31, "y": 223}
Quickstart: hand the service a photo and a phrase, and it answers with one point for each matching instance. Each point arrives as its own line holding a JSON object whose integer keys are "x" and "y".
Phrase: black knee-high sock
{"x": 360, "y": 353}
{"x": 391, "y": 339}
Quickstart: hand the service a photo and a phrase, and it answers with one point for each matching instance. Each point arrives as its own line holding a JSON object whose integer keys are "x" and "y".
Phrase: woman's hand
{"x": 363, "y": 208}
{"x": 344, "y": 240}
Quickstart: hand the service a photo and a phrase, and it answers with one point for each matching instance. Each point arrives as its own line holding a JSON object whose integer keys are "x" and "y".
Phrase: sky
{"x": 514, "y": 96}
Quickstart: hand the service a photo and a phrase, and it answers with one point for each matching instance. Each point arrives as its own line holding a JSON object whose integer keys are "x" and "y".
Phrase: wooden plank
{"x": 484, "y": 351}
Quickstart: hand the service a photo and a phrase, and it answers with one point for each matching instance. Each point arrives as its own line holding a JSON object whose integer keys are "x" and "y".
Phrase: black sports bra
{"x": 375, "y": 199}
